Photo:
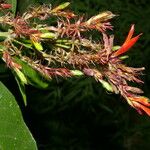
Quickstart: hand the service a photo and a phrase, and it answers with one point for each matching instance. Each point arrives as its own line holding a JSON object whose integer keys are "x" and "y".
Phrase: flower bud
{"x": 38, "y": 45}
{"x": 61, "y": 7}
{"x": 21, "y": 76}
{"x": 102, "y": 17}
{"x": 48, "y": 35}
{"x": 77, "y": 72}
{"x": 106, "y": 85}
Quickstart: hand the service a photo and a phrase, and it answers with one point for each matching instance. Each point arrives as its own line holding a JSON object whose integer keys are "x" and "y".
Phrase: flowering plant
{"x": 61, "y": 48}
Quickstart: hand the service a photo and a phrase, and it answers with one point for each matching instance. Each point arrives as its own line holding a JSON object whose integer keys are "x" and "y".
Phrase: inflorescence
{"x": 61, "y": 48}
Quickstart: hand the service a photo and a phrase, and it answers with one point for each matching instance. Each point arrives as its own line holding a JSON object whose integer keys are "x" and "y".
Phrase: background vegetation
{"x": 78, "y": 113}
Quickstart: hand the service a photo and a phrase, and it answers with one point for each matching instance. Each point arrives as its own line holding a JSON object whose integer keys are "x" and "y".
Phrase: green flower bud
{"x": 48, "y": 35}
{"x": 77, "y": 72}
{"x": 21, "y": 76}
{"x": 106, "y": 85}
{"x": 61, "y": 7}
{"x": 38, "y": 45}
{"x": 116, "y": 47}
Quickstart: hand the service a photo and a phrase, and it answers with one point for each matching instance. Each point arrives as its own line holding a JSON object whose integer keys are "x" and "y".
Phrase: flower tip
{"x": 140, "y": 34}
{"x": 132, "y": 26}
{"x": 130, "y": 34}
{"x": 134, "y": 40}
{"x": 128, "y": 43}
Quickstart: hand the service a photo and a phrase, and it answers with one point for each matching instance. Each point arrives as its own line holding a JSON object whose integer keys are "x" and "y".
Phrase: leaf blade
{"x": 14, "y": 133}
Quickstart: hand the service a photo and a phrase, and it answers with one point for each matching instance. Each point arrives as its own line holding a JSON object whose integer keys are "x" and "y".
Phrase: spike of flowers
{"x": 64, "y": 51}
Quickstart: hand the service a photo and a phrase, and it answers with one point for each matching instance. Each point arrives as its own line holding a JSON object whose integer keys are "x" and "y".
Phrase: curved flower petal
{"x": 141, "y": 100}
{"x": 129, "y": 42}
{"x": 141, "y": 108}
{"x": 140, "y": 104}
{"x": 130, "y": 34}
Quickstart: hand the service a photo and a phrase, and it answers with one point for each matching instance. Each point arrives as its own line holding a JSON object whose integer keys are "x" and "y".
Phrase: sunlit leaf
{"x": 14, "y": 134}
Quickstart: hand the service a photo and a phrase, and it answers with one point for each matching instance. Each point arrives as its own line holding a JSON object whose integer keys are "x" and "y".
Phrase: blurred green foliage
{"x": 78, "y": 114}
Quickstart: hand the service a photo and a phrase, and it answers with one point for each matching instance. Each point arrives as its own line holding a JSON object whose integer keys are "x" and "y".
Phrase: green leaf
{"x": 14, "y": 5}
{"x": 21, "y": 86}
{"x": 2, "y": 48}
{"x": 21, "y": 81}
{"x": 23, "y": 5}
{"x": 21, "y": 76}
{"x": 14, "y": 134}
{"x": 27, "y": 45}
{"x": 33, "y": 77}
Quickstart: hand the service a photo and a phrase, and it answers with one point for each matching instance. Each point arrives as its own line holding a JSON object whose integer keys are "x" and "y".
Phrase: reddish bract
{"x": 5, "y": 6}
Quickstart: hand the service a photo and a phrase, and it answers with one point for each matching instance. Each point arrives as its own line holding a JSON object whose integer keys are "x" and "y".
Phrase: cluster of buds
{"x": 62, "y": 50}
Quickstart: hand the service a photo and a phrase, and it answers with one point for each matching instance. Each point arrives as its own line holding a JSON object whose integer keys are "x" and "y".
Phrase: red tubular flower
{"x": 129, "y": 42}
{"x": 141, "y": 104}
{"x": 5, "y": 6}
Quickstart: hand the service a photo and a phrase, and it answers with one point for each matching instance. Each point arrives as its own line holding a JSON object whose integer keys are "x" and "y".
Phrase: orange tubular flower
{"x": 141, "y": 104}
{"x": 129, "y": 42}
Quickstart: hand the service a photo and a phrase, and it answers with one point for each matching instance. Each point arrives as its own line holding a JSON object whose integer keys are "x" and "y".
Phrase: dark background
{"x": 78, "y": 114}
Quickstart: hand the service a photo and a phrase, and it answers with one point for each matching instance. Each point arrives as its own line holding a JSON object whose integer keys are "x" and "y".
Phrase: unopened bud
{"x": 77, "y": 72}
{"x": 38, "y": 46}
{"x": 106, "y": 85}
{"x": 21, "y": 75}
{"x": 103, "y": 16}
{"x": 114, "y": 48}
{"x": 48, "y": 35}
{"x": 61, "y": 7}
